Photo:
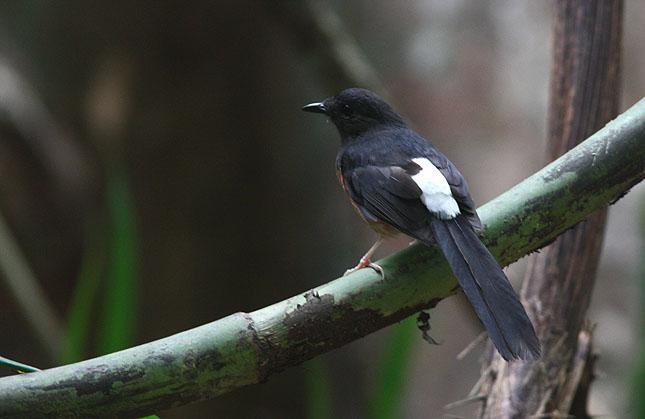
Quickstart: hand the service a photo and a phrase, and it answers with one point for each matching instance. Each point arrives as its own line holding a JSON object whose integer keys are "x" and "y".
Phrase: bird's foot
{"x": 378, "y": 269}
{"x": 366, "y": 263}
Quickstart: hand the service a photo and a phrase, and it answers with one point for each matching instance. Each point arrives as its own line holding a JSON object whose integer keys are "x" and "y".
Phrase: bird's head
{"x": 355, "y": 111}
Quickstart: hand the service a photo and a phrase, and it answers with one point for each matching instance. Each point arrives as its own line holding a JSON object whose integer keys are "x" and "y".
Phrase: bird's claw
{"x": 366, "y": 264}
{"x": 378, "y": 269}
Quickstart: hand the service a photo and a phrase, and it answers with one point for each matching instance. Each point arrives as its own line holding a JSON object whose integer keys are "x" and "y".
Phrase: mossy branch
{"x": 247, "y": 348}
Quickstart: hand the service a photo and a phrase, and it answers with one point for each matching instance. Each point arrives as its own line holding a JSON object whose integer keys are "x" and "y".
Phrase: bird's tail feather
{"x": 487, "y": 289}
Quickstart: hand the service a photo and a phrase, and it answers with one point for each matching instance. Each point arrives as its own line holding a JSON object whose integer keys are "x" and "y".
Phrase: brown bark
{"x": 585, "y": 80}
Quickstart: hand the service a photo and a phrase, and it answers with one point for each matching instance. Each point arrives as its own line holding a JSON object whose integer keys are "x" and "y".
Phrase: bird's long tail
{"x": 487, "y": 288}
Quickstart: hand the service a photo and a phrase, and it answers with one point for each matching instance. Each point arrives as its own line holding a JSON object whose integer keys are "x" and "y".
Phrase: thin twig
{"x": 17, "y": 366}
{"x": 22, "y": 108}
{"x": 552, "y": 415}
{"x": 478, "y": 385}
{"x": 468, "y": 400}
{"x": 315, "y": 25}
{"x": 472, "y": 345}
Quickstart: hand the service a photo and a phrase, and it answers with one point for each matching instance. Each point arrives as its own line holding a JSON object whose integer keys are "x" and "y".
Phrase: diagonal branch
{"x": 315, "y": 26}
{"x": 23, "y": 286}
{"x": 247, "y": 348}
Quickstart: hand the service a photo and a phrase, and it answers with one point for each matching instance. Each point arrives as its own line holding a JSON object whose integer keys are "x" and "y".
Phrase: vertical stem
{"x": 585, "y": 80}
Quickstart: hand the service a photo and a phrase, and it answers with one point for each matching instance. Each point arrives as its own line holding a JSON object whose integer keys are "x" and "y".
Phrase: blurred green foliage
{"x": 117, "y": 322}
{"x": 79, "y": 316}
{"x": 319, "y": 401}
{"x": 116, "y": 263}
{"x": 392, "y": 371}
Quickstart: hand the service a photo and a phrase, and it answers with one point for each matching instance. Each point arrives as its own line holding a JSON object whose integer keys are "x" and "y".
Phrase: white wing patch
{"x": 436, "y": 195}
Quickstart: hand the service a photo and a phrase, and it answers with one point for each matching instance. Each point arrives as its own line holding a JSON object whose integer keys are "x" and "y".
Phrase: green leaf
{"x": 118, "y": 317}
{"x": 85, "y": 294}
{"x": 391, "y": 377}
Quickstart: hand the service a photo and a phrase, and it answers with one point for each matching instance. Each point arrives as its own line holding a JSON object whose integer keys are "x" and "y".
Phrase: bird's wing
{"x": 391, "y": 194}
{"x": 458, "y": 187}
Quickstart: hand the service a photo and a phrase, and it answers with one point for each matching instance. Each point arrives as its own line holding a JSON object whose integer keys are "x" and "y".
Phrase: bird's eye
{"x": 346, "y": 110}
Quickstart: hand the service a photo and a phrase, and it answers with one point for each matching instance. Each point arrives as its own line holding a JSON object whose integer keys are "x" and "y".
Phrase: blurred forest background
{"x": 156, "y": 173}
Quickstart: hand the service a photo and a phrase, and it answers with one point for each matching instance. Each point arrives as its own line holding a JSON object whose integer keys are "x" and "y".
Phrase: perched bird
{"x": 399, "y": 182}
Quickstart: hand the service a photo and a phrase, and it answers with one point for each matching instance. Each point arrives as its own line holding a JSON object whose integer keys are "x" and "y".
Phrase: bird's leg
{"x": 365, "y": 261}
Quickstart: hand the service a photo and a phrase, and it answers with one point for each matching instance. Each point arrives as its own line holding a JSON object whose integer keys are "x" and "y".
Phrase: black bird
{"x": 399, "y": 182}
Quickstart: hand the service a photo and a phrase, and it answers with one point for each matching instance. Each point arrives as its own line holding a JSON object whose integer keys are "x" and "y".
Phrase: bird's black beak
{"x": 318, "y": 107}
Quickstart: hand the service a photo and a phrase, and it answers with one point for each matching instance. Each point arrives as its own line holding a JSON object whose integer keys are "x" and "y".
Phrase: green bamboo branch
{"x": 247, "y": 348}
